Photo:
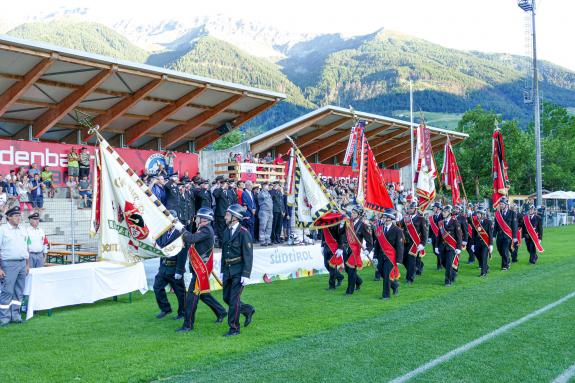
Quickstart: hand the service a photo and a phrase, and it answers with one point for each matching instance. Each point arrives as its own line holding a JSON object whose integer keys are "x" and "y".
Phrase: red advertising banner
{"x": 336, "y": 172}
{"x": 16, "y": 154}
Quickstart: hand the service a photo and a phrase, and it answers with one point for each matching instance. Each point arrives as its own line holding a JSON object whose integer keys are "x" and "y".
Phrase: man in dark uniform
{"x": 537, "y": 225}
{"x": 388, "y": 252}
{"x": 236, "y": 268}
{"x": 449, "y": 244}
{"x": 519, "y": 216}
{"x": 332, "y": 244}
{"x": 222, "y": 203}
{"x": 463, "y": 224}
{"x": 433, "y": 222}
{"x": 203, "y": 195}
{"x": 171, "y": 273}
{"x": 469, "y": 217}
{"x": 172, "y": 190}
{"x": 362, "y": 232}
{"x": 185, "y": 206}
{"x": 481, "y": 242}
{"x": 415, "y": 234}
{"x": 505, "y": 231}
{"x": 278, "y": 211}
{"x": 202, "y": 243}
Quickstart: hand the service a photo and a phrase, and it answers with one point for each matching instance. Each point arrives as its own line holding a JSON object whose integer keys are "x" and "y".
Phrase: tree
{"x": 231, "y": 139}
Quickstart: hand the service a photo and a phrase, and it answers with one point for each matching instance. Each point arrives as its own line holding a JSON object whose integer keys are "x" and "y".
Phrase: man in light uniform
{"x": 37, "y": 242}
{"x": 14, "y": 266}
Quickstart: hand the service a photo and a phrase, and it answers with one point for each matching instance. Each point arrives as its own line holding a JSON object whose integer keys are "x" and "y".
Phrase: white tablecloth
{"x": 58, "y": 286}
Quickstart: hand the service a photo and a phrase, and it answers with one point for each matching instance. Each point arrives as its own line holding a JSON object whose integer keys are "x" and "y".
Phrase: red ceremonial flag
{"x": 450, "y": 173}
{"x": 500, "y": 179}
{"x": 372, "y": 193}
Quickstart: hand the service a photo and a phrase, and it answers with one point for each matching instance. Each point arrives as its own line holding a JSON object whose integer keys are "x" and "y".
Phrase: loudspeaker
{"x": 225, "y": 128}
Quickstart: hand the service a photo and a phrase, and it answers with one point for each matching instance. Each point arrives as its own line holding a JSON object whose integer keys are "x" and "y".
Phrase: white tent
{"x": 559, "y": 195}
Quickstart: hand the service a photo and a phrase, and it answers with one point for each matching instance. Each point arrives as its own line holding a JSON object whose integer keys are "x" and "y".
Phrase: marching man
{"x": 236, "y": 267}
{"x": 415, "y": 233}
{"x": 533, "y": 233}
{"x": 434, "y": 230}
{"x": 332, "y": 248}
{"x": 505, "y": 232}
{"x": 200, "y": 247}
{"x": 388, "y": 251}
{"x": 362, "y": 232}
{"x": 482, "y": 239}
{"x": 449, "y": 244}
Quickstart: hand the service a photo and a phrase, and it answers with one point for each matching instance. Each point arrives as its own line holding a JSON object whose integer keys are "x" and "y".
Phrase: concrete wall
{"x": 208, "y": 159}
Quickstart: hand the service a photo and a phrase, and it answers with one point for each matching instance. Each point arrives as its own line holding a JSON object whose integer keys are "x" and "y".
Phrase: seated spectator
{"x": 33, "y": 170}
{"x": 3, "y": 201}
{"x": 162, "y": 171}
{"x": 73, "y": 165}
{"x": 46, "y": 176}
{"x": 11, "y": 181}
{"x": 85, "y": 192}
{"x": 72, "y": 186}
{"x": 268, "y": 159}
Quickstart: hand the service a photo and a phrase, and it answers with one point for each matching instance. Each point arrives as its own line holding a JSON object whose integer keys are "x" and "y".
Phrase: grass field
{"x": 439, "y": 120}
{"x": 301, "y": 332}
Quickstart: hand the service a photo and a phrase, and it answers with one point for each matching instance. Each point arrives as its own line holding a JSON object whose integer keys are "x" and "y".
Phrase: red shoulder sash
{"x": 389, "y": 252}
{"x": 532, "y": 233}
{"x": 202, "y": 270}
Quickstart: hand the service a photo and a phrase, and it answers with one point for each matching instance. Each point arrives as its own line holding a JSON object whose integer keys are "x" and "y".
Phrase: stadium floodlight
{"x": 529, "y": 6}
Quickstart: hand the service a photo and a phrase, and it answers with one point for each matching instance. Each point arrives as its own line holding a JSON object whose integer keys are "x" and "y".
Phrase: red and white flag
{"x": 425, "y": 171}
{"x": 450, "y": 173}
{"x": 500, "y": 179}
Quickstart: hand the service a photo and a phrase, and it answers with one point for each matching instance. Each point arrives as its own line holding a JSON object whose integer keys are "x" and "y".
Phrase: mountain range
{"x": 370, "y": 72}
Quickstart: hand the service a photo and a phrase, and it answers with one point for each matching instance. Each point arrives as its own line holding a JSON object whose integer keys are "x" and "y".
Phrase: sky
{"x": 487, "y": 25}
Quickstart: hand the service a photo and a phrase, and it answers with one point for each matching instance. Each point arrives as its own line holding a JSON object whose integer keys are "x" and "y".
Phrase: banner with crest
{"x": 127, "y": 215}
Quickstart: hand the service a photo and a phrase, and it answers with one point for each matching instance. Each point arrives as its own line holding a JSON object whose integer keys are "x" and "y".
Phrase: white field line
{"x": 566, "y": 375}
{"x": 474, "y": 343}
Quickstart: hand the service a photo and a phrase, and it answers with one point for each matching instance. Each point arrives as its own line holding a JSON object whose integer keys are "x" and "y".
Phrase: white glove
{"x": 221, "y": 276}
{"x": 244, "y": 281}
{"x": 463, "y": 243}
{"x": 457, "y": 251}
{"x": 178, "y": 226}
{"x": 339, "y": 252}
{"x": 374, "y": 261}
{"x": 514, "y": 240}
{"x": 436, "y": 251}
{"x": 420, "y": 247}
{"x": 364, "y": 252}
{"x": 491, "y": 248}
{"x": 178, "y": 276}
{"x": 472, "y": 247}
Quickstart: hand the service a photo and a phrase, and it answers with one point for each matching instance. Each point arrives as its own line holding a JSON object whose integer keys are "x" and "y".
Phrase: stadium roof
{"x": 322, "y": 136}
{"x": 42, "y": 85}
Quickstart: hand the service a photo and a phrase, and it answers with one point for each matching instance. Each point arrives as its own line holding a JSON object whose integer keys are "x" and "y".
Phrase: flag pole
{"x": 411, "y": 138}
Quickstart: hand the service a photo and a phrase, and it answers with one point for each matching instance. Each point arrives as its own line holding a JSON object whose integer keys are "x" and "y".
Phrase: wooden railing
{"x": 240, "y": 171}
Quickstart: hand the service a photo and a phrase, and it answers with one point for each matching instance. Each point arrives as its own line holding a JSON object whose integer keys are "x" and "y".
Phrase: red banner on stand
{"x": 14, "y": 154}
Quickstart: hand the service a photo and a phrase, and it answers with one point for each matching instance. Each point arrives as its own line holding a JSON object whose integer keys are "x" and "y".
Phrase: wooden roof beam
{"x": 401, "y": 162}
{"x": 404, "y": 150}
{"x": 213, "y": 135}
{"x": 134, "y": 132}
{"x": 334, "y": 150}
{"x": 9, "y": 97}
{"x": 301, "y": 141}
{"x": 47, "y": 120}
{"x": 179, "y": 132}
{"x": 324, "y": 145}
{"x": 121, "y": 107}
{"x": 273, "y": 139}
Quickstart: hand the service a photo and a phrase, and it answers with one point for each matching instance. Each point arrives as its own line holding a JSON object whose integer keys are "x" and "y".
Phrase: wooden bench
{"x": 68, "y": 246}
{"x": 61, "y": 256}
